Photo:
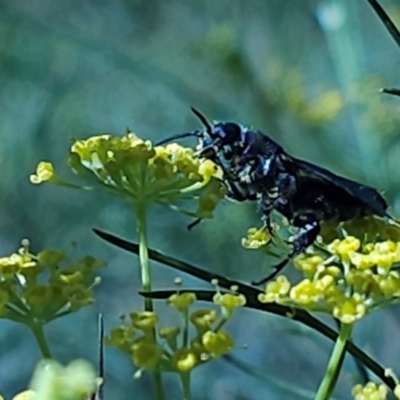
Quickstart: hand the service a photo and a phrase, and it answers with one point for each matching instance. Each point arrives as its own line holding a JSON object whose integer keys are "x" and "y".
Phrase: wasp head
{"x": 222, "y": 142}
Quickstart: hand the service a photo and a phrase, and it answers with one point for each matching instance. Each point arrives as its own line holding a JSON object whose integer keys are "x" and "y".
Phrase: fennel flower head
{"x": 44, "y": 286}
{"x": 140, "y": 173}
{"x": 351, "y": 270}
{"x": 177, "y": 348}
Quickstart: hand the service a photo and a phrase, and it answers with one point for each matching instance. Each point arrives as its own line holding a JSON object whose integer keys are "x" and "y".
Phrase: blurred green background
{"x": 307, "y": 73}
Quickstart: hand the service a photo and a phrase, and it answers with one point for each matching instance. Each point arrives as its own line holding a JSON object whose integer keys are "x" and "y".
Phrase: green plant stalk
{"x": 185, "y": 315}
{"x": 185, "y": 379}
{"x": 141, "y": 219}
{"x": 141, "y": 214}
{"x": 335, "y": 364}
{"x": 38, "y": 333}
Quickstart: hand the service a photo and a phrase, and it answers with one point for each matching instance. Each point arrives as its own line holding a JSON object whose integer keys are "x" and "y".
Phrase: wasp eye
{"x": 234, "y": 132}
{"x": 229, "y": 132}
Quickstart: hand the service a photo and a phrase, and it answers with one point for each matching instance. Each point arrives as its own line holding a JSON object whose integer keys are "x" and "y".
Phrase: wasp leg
{"x": 277, "y": 268}
{"x": 235, "y": 192}
{"x": 309, "y": 230}
{"x": 194, "y": 223}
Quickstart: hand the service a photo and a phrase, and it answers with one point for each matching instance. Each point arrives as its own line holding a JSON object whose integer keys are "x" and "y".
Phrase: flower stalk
{"x": 38, "y": 333}
{"x": 328, "y": 383}
{"x": 185, "y": 379}
{"x": 141, "y": 217}
{"x": 141, "y": 214}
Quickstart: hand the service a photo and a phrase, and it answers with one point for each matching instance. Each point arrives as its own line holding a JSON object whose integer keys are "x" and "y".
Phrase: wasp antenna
{"x": 203, "y": 119}
{"x": 180, "y": 136}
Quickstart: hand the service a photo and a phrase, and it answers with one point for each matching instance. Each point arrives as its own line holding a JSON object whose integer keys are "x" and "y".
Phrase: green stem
{"x": 37, "y": 330}
{"x": 185, "y": 327}
{"x": 335, "y": 363}
{"x": 141, "y": 212}
{"x": 185, "y": 379}
{"x": 141, "y": 217}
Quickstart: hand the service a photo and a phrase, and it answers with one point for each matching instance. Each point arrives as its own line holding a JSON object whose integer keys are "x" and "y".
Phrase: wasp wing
{"x": 367, "y": 195}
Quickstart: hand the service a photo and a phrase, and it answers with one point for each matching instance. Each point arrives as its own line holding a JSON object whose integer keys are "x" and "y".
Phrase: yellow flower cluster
{"x": 52, "y": 381}
{"x": 168, "y": 353}
{"x": 36, "y": 287}
{"x": 132, "y": 169}
{"x": 346, "y": 278}
{"x": 256, "y": 238}
{"x": 371, "y": 391}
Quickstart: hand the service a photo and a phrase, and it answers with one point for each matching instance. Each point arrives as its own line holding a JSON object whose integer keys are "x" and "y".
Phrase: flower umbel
{"x": 38, "y": 288}
{"x": 347, "y": 278}
{"x": 136, "y": 171}
{"x": 173, "y": 350}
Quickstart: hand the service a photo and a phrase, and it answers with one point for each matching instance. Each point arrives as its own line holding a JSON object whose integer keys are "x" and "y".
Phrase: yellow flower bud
{"x": 344, "y": 247}
{"x": 306, "y": 292}
{"x": 121, "y": 337}
{"x": 256, "y": 238}
{"x": 385, "y": 247}
{"x": 390, "y": 284}
{"x": 184, "y": 360}
{"x": 308, "y": 264}
{"x": 350, "y": 310}
{"x": 44, "y": 172}
{"x": 229, "y": 301}
{"x": 182, "y": 301}
{"x": 275, "y": 290}
{"x": 362, "y": 261}
{"x": 362, "y": 281}
{"x": 10, "y": 265}
{"x": 38, "y": 296}
{"x": 169, "y": 332}
{"x": 217, "y": 343}
{"x": 144, "y": 320}
{"x": 51, "y": 257}
{"x": 146, "y": 355}
{"x": 203, "y": 318}
{"x": 371, "y": 391}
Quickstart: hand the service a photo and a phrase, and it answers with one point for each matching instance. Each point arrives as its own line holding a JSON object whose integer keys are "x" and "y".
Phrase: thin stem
{"x": 141, "y": 214}
{"x": 158, "y": 386}
{"x": 37, "y": 330}
{"x": 185, "y": 327}
{"x": 335, "y": 363}
{"x": 185, "y": 379}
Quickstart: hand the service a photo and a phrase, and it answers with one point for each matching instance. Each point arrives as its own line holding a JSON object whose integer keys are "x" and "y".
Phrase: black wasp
{"x": 257, "y": 168}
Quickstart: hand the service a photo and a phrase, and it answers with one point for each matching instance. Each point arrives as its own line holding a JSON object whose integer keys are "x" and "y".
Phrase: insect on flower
{"x": 257, "y": 168}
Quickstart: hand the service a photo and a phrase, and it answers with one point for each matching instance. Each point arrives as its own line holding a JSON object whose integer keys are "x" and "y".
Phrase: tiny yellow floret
{"x": 371, "y": 391}
{"x": 146, "y": 355}
{"x": 44, "y": 172}
{"x": 182, "y": 301}
{"x": 217, "y": 343}
{"x": 275, "y": 290}
{"x": 350, "y": 310}
{"x": 256, "y": 238}
{"x": 184, "y": 360}
{"x": 144, "y": 320}
{"x": 203, "y": 318}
